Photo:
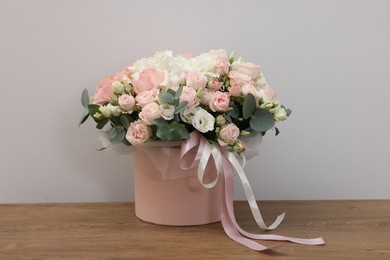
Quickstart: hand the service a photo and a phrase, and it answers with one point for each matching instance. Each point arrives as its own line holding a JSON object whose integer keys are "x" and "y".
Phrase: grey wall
{"x": 328, "y": 60}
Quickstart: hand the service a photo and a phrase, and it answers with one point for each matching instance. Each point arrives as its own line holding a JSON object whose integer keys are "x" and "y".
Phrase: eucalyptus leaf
{"x": 166, "y": 97}
{"x": 125, "y": 121}
{"x": 277, "y": 131}
{"x": 93, "y": 108}
{"x": 101, "y": 123}
{"x": 170, "y": 91}
{"x": 181, "y": 107}
{"x": 164, "y": 133}
{"x": 84, "y": 117}
{"x": 262, "y": 120}
{"x": 160, "y": 121}
{"x": 178, "y": 93}
{"x": 234, "y": 111}
{"x": 85, "y": 98}
{"x": 249, "y": 106}
{"x": 116, "y": 134}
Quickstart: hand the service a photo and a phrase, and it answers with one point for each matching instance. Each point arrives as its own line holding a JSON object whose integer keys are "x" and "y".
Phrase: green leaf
{"x": 170, "y": 91}
{"x": 249, "y": 106}
{"x": 125, "y": 121}
{"x": 172, "y": 132}
{"x": 116, "y": 134}
{"x": 262, "y": 120}
{"x": 289, "y": 111}
{"x": 93, "y": 108}
{"x": 85, "y": 98}
{"x": 160, "y": 121}
{"x": 166, "y": 97}
{"x": 84, "y": 117}
{"x": 179, "y": 131}
{"x": 101, "y": 123}
{"x": 164, "y": 133}
{"x": 277, "y": 131}
{"x": 181, "y": 107}
{"x": 178, "y": 93}
{"x": 234, "y": 111}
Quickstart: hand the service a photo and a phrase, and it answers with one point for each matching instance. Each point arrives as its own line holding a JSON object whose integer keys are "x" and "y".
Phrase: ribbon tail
{"x": 227, "y": 215}
{"x": 250, "y": 196}
{"x": 229, "y": 222}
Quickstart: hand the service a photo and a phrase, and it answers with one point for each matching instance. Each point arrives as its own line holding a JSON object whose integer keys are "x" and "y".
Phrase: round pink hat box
{"x": 178, "y": 202}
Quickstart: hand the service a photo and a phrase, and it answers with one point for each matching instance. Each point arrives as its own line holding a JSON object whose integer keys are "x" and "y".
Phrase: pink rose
{"x": 122, "y": 75}
{"x": 247, "y": 68}
{"x": 126, "y": 102}
{"x": 215, "y": 84}
{"x": 220, "y": 54}
{"x": 206, "y": 97}
{"x": 250, "y": 88}
{"x": 189, "y": 95}
{"x": 235, "y": 90}
{"x": 138, "y": 133}
{"x": 148, "y": 79}
{"x": 196, "y": 80}
{"x": 237, "y": 78}
{"x": 150, "y": 112}
{"x": 267, "y": 93}
{"x": 219, "y": 101}
{"x": 146, "y": 97}
{"x": 222, "y": 67}
{"x": 229, "y": 134}
{"x": 104, "y": 91}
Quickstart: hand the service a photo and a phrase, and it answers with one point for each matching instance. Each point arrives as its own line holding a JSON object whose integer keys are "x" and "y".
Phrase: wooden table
{"x": 351, "y": 229}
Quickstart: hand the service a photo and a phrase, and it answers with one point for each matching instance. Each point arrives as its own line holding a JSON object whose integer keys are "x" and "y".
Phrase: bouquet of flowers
{"x": 166, "y": 97}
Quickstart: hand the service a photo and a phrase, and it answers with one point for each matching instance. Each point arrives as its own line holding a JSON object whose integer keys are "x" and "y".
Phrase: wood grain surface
{"x": 351, "y": 229}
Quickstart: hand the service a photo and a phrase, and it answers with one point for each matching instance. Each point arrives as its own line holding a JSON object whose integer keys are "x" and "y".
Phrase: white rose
{"x": 203, "y": 121}
{"x": 167, "y": 111}
{"x": 188, "y": 113}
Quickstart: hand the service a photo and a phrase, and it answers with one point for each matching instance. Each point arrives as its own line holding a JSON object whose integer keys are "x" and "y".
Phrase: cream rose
{"x": 196, "y": 80}
{"x": 138, "y": 133}
{"x": 149, "y": 113}
{"x": 126, "y": 102}
{"x": 146, "y": 97}
{"x": 222, "y": 67}
{"x": 247, "y": 68}
{"x": 189, "y": 94}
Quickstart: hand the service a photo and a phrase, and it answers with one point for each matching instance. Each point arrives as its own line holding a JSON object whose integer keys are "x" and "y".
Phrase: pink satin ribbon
{"x": 224, "y": 165}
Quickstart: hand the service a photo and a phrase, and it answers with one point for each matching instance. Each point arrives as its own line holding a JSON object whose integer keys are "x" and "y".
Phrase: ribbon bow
{"x": 225, "y": 162}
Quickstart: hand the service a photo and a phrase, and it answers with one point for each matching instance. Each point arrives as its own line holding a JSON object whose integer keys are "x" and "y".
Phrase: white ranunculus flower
{"x": 167, "y": 111}
{"x": 188, "y": 113}
{"x": 203, "y": 121}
